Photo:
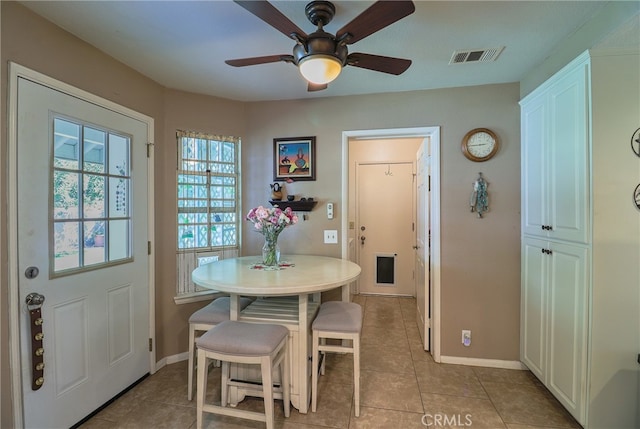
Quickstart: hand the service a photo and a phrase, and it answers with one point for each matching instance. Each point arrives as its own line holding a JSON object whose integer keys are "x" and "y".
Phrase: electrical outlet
{"x": 466, "y": 337}
{"x": 330, "y": 236}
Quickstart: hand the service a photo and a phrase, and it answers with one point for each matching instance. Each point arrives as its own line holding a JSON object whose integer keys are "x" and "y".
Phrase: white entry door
{"x": 423, "y": 244}
{"x": 82, "y": 228}
{"x": 386, "y": 236}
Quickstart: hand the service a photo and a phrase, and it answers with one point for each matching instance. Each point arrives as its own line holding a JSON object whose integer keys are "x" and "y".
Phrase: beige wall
{"x": 480, "y": 257}
{"x": 614, "y": 388}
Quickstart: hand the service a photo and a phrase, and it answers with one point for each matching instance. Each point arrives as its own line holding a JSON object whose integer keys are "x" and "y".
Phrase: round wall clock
{"x": 480, "y": 144}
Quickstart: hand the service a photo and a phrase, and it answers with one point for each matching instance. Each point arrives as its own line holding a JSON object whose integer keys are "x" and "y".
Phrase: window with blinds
{"x": 208, "y": 177}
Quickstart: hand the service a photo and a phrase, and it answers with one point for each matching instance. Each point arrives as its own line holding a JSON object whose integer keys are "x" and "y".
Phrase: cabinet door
{"x": 567, "y": 319}
{"x": 568, "y": 157}
{"x": 533, "y": 306}
{"x": 534, "y": 140}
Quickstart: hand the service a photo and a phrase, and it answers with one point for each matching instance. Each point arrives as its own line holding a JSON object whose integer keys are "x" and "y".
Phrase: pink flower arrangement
{"x": 271, "y": 221}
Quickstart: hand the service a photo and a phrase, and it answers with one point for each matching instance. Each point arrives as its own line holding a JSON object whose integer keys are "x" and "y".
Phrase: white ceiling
{"x": 183, "y": 44}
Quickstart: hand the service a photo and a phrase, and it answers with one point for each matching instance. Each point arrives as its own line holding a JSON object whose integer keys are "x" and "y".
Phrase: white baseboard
{"x": 177, "y": 358}
{"x": 489, "y": 363}
{"x": 171, "y": 359}
{"x": 455, "y": 360}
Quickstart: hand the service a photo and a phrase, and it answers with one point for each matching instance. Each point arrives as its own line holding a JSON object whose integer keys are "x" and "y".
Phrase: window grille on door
{"x": 90, "y": 203}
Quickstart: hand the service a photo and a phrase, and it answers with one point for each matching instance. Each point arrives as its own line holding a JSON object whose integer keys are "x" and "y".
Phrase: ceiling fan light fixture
{"x": 320, "y": 68}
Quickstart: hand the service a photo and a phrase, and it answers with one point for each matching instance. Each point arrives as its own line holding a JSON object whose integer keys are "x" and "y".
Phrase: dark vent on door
{"x": 386, "y": 269}
{"x": 475, "y": 55}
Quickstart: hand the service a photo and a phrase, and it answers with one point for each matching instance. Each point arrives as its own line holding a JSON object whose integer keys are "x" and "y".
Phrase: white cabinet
{"x": 554, "y": 315}
{"x": 556, "y": 233}
{"x": 555, "y": 184}
{"x": 580, "y": 300}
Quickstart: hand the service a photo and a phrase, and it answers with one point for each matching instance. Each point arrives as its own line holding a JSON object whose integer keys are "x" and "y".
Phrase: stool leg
{"x": 267, "y": 389}
{"x": 314, "y": 372}
{"x": 285, "y": 371}
{"x": 323, "y": 341}
{"x": 226, "y": 368}
{"x": 201, "y": 382}
{"x": 356, "y": 373}
{"x": 191, "y": 362}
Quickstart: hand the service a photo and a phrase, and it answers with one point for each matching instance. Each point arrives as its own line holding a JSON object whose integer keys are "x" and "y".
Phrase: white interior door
{"x": 423, "y": 245}
{"x": 386, "y": 213}
{"x": 82, "y": 222}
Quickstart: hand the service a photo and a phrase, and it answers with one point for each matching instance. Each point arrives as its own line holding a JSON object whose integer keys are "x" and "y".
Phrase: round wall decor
{"x": 480, "y": 144}
{"x": 635, "y": 142}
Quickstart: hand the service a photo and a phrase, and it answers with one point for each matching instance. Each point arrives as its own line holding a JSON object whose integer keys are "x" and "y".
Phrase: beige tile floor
{"x": 401, "y": 387}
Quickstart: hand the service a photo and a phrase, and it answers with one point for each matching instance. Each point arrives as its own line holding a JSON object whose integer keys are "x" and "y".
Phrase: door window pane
{"x": 91, "y": 197}
{"x": 66, "y": 143}
{"x": 66, "y": 195}
{"x": 66, "y": 245}
{"x": 119, "y": 233}
{"x": 118, "y": 155}
{"x": 94, "y": 248}
{"x": 118, "y": 197}
{"x": 94, "y": 146}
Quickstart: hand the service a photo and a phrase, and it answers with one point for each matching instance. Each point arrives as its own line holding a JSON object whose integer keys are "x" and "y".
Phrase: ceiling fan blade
{"x": 272, "y": 16}
{"x": 378, "y": 63}
{"x": 378, "y": 16}
{"x": 312, "y": 87}
{"x": 242, "y": 62}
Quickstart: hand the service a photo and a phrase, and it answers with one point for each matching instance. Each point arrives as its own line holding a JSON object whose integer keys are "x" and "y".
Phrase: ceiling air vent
{"x": 475, "y": 55}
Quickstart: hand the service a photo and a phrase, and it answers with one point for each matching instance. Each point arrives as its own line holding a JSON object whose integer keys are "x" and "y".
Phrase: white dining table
{"x": 300, "y": 276}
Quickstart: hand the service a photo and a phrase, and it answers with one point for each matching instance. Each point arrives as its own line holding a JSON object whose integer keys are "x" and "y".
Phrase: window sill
{"x": 205, "y": 295}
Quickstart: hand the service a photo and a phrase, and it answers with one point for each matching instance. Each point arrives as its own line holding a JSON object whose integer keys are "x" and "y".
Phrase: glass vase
{"x": 271, "y": 253}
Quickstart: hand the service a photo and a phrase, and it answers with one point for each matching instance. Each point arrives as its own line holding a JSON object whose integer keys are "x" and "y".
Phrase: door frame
{"x": 433, "y": 133}
{"x": 17, "y": 71}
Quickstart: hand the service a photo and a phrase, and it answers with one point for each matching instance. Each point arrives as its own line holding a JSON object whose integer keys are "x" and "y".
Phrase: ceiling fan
{"x": 320, "y": 56}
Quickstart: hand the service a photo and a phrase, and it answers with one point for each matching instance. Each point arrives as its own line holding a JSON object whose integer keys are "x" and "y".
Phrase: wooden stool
{"x": 248, "y": 343}
{"x": 337, "y": 320}
{"x": 202, "y": 320}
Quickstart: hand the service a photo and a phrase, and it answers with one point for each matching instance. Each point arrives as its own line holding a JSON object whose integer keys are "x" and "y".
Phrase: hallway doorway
{"x": 386, "y": 146}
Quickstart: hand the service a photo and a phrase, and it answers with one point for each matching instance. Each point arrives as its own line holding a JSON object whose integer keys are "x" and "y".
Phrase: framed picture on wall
{"x": 294, "y": 158}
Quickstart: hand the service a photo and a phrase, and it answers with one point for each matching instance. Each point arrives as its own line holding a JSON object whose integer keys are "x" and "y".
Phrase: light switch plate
{"x": 330, "y": 236}
{"x": 329, "y": 210}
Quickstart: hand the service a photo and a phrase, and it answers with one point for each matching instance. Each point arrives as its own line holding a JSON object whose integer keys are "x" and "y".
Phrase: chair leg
{"x": 323, "y": 341}
{"x": 224, "y": 383}
{"x": 191, "y": 367}
{"x": 314, "y": 372}
{"x": 267, "y": 390}
{"x": 356, "y": 374}
{"x": 285, "y": 372}
{"x": 201, "y": 382}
